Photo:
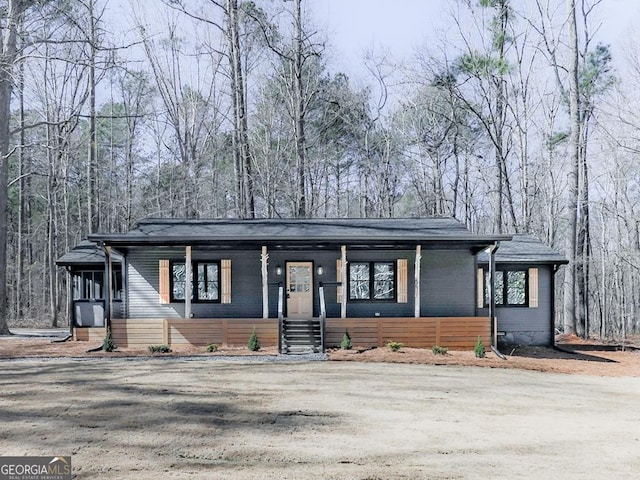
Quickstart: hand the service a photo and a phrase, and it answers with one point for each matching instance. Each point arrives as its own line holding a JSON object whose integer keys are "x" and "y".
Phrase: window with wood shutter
{"x": 206, "y": 277}
{"x": 372, "y": 281}
{"x": 514, "y": 287}
{"x": 533, "y": 288}
{"x": 164, "y": 282}
{"x": 403, "y": 283}
{"x": 226, "y": 280}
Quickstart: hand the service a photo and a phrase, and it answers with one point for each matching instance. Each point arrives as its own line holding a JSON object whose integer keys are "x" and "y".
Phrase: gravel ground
{"x": 255, "y": 419}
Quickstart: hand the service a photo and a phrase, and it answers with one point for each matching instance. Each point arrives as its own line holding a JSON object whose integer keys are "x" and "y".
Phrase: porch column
{"x": 187, "y": 283}
{"x": 417, "y": 281}
{"x": 492, "y": 297}
{"x": 343, "y": 280}
{"x": 265, "y": 284}
{"x": 109, "y": 290}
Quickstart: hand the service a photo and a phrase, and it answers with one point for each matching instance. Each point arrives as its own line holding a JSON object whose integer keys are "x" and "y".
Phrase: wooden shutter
{"x": 164, "y": 283}
{"x": 533, "y": 288}
{"x": 480, "y": 288}
{"x": 225, "y": 266}
{"x": 339, "y": 279}
{"x": 402, "y": 281}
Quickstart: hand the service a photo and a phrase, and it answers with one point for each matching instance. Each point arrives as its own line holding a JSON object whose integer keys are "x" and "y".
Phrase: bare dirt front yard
{"x": 588, "y": 357}
{"x": 210, "y": 418}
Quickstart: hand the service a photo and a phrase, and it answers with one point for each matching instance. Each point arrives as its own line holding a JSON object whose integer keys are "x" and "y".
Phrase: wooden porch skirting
{"x": 456, "y": 333}
{"x": 459, "y": 333}
{"x": 142, "y": 332}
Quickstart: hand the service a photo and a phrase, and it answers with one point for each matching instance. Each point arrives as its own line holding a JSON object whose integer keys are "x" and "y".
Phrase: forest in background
{"x": 519, "y": 119}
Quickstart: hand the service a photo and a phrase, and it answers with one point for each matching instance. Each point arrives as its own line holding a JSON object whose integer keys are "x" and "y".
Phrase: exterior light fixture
{"x": 320, "y": 270}
{"x": 278, "y": 270}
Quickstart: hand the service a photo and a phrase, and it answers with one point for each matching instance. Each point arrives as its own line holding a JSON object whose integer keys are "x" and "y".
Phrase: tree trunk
{"x": 8, "y": 54}
{"x": 299, "y": 116}
{"x": 93, "y": 215}
{"x": 574, "y": 155}
{"x": 245, "y": 202}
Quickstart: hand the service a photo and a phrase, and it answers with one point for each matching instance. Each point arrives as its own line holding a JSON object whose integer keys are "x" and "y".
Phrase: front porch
{"x": 456, "y": 333}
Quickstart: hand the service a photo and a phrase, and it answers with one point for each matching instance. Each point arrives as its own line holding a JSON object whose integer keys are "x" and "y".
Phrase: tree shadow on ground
{"x": 558, "y": 353}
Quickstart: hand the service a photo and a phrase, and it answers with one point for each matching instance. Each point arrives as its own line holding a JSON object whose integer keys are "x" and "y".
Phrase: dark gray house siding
{"x": 144, "y": 276}
{"x": 365, "y": 308}
{"x": 246, "y": 283}
{"x": 447, "y": 283}
{"x": 526, "y": 325}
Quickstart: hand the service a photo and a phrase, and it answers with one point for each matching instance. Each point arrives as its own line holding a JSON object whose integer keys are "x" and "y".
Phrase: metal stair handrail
{"x": 280, "y": 316}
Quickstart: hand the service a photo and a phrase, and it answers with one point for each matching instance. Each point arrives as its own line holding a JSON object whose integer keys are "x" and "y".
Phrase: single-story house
{"x": 302, "y": 283}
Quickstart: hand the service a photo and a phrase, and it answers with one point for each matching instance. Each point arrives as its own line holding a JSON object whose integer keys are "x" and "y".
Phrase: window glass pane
{"x": 499, "y": 288}
{"x": 77, "y": 287}
{"x": 87, "y": 283}
{"x": 383, "y": 281}
{"x": 359, "y": 288}
{"x": 487, "y": 279}
{"x": 299, "y": 278}
{"x": 499, "y": 295}
{"x": 117, "y": 285}
{"x": 179, "y": 273}
{"x": 516, "y": 287}
{"x": 207, "y": 281}
{"x": 97, "y": 284}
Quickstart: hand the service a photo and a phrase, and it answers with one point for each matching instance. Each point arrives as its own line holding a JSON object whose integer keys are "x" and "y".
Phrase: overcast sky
{"x": 400, "y": 26}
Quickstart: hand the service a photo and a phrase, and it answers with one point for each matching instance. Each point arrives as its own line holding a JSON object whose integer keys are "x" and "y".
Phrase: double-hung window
{"x": 511, "y": 288}
{"x": 205, "y": 281}
{"x": 372, "y": 280}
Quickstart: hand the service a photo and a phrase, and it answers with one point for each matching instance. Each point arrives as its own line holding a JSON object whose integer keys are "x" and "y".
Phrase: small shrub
{"x": 212, "y": 347}
{"x": 254, "y": 343}
{"x": 439, "y": 350}
{"x": 345, "y": 344}
{"x": 395, "y": 346}
{"x": 159, "y": 348}
{"x": 479, "y": 349}
{"x": 107, "y": 343}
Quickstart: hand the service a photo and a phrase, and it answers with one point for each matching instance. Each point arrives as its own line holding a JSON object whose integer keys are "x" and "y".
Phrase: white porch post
{"x": 343, "y": 280}
{"x": 187, "y": 283}
{"x": 416, "y": 295}
{"x": 265, "y": 285}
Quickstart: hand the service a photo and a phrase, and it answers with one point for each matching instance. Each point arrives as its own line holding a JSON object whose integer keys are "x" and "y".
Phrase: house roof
{"x": 524, "y": 248}
{"x": 291, "y": 233}
{"x": 86, "y": 253}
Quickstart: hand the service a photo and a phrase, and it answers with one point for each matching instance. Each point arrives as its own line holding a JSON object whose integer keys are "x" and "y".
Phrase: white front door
{"x": 300, "y": 289}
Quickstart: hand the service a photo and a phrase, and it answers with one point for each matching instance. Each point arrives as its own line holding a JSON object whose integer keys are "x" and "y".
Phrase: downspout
{"x": 552, "y": 316}
{"x": 70, "y": 300}
{"x": 109, "y": 299}
{"x": 107, "y": 281}
{"x": 492, "y": 300}
{"x": 343, "y": 281}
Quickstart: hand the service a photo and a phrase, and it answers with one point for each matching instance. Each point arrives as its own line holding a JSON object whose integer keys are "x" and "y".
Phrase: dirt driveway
{"x": 245, "y": 419}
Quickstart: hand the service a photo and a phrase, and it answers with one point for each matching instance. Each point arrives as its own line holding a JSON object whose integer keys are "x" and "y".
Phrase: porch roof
{"x": 86, "y": 253}
{"x": 443, "y": 233}
{"x": 525, "y": 249}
